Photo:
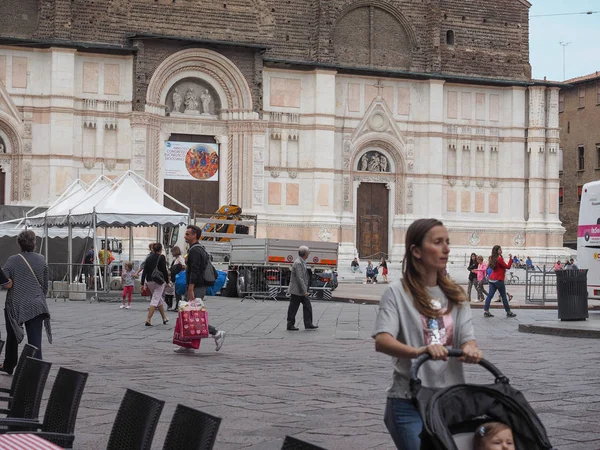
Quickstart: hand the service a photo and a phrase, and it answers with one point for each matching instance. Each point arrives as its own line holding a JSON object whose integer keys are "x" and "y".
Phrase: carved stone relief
{"x": 373, "y": 161}
{"x": 193, "y": 97}
{"x": 2, "y": 146}
{"x": 519, "y": 240}
{"x": 474, "y": 238}
{"x": 27, "y": 180}
{"x": 325, "y": 235}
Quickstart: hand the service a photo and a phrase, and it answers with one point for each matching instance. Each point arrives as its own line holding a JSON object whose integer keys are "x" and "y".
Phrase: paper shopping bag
{"x": 194, "y": 323}
{"x": 178, "y": 338}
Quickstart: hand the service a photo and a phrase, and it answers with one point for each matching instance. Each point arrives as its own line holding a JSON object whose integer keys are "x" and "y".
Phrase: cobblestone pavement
{"x": 325, "y": 386}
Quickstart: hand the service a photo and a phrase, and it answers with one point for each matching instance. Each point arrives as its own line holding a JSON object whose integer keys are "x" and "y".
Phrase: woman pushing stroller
{"x": 425, "y": 312}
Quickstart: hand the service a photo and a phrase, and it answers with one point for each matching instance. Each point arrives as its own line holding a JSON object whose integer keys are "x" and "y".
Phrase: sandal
{"x": 148, "y": 324}
{"x": 165, "y": 321}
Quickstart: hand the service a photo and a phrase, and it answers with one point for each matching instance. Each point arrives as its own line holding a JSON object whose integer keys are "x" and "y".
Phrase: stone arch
{"x": 355, "y": 43}
{"x": 390, "y": 148}
{"x": 10, "y": 160}
{"x": 212, "y": 67}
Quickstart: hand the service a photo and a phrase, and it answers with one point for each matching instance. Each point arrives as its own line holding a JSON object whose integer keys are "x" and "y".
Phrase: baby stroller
{"x": 451, "y": 415}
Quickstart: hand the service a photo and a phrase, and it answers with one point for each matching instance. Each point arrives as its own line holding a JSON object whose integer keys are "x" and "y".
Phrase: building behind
{"x": 579, "y": 112}
{"x": 332, "y": 120}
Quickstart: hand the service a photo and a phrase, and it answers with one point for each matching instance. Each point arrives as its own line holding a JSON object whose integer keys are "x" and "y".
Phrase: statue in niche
{"x": 177, "y": 101}
{"x": 205, "y": 98}
{"x": 374, "y": 164}
{"x": 364, "y": 162}
{"x": 191, "y": 104}
{"x": 2, "y": 147}
{"x": 384, "y": 163}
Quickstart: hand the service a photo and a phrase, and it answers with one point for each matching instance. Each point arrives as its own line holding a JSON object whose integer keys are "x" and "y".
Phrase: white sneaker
{"x": 219, "y": 339}
{"x": 122, "y": 306}
{"x": 184, "y": 350}
{"x": 128, "y": 307}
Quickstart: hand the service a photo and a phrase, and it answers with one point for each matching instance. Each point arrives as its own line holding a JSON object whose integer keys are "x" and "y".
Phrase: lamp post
{"x": 564, "y": 46}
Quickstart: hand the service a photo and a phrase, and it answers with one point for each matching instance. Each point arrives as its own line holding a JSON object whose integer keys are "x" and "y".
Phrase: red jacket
{"x": 499, "y": 271}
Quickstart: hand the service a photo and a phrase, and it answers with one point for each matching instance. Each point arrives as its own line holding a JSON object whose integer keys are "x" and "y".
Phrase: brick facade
{"x": 578, "y": 127}
{"x": 490, "y": 37}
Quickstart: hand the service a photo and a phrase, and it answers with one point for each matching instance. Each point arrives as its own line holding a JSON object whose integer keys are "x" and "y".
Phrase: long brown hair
{"x": 494, "y": 256}
{"x": 413, "y": 272}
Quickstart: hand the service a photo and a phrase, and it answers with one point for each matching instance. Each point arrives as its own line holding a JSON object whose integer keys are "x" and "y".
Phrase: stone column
{"x": 536, "y": 143}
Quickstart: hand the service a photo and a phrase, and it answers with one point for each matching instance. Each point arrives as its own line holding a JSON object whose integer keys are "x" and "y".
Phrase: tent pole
{"x": 105, "y": 259}
{"x": 95, "y": 257}
{"x": 70, "y": 250}
{"x": 46, "y": 240}
{"x": 131, "y": 243}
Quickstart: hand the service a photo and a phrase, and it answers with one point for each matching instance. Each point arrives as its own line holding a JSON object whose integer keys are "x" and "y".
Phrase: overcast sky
{"x": 583, "y": 31}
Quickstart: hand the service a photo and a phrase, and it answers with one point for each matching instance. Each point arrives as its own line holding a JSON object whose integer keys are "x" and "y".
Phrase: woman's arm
{"x": 386, "y": 343}
{"x": 162, "y": 266}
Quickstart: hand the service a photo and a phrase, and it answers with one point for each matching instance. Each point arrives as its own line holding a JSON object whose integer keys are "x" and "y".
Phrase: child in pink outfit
{"x": 480, "y": 271}
{"x": 128, "y": 283}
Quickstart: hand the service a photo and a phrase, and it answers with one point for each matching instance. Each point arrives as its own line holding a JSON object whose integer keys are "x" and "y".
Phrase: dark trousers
{"x": 33, "y": 328}
{"x": 293, "y": 309}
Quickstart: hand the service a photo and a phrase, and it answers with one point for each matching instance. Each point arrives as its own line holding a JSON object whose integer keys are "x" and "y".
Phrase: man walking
{"x": 299, "y": 283}
{"x": 197, "y": 259}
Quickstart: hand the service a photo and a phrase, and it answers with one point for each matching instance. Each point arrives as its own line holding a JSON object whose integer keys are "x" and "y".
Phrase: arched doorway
{"x": 372, "y": 214}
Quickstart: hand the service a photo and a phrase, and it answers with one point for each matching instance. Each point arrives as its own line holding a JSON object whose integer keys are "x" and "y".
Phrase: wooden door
{"x": 372, "y": 221}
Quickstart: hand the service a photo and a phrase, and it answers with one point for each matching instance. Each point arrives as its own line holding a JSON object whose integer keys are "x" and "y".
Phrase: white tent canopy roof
{"x": 122, "y": 203}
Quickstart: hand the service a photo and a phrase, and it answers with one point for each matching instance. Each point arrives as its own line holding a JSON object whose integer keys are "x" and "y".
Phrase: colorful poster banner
{"x": 191, "y": 161}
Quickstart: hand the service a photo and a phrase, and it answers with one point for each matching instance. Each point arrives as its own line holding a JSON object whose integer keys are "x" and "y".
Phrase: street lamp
{"x": 564, "y": 46}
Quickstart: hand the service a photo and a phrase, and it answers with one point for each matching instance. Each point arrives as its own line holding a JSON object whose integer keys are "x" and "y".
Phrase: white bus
{"x": 588, "y": 237}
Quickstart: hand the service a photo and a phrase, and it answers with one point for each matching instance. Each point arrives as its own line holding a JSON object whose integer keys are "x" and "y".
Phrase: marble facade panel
{"x": 3, "y": 69}
{"x": 112, "y": 79}
{"x": 494, "y": 107}
{"x": 285, "y": 92}
{"x": 403, "y": 101}
{"x": 323, "y": 196}
{"x": 274, "y": 193}
{"x": 493, "y": 203}
{"x": 451, "y": 201}
{"x": 480, "y": 106}
{"x": 292, "y": 194}
{"x": 371, "y": 92}
{"x": 452, "y": 107}
{"x": 353, "y": 97}
{"x": 91, "y": 73}
{"x": 465, "y": 201}
{"x": 479, "y": 202}
{"x": 466, "y": 105}
{"x": 19, "y": 72}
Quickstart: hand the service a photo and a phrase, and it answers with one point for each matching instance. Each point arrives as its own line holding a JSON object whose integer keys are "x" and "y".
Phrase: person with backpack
{"x": 198, "y": 261}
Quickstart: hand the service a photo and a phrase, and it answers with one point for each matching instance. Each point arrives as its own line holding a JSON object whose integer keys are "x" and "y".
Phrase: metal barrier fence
{"x": 271, "y": 282}
{"x": 540, "y": 286}
{"x": 82, "y": 284}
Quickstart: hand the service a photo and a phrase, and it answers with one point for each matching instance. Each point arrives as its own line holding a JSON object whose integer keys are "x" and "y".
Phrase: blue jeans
{"x": 404, "y": 423}
{"x": 498, "y": 285}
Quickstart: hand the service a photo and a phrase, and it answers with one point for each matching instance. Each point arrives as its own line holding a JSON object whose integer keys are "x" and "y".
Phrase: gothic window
{"x": 451, "y": 160}
{"x": 466, "y": 161}
{"x": 450, "y": 37}
{"x": 358, "y": 39}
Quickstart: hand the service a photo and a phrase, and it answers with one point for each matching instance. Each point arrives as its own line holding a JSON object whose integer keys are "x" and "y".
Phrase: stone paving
{"x": 325, "y": 386}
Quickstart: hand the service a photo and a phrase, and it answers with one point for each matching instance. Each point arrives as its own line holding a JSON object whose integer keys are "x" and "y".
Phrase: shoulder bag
{"x": 33, "y": 273}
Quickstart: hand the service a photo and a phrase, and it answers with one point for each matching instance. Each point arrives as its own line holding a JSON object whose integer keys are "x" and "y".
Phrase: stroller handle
{"x": 453, "y": 353}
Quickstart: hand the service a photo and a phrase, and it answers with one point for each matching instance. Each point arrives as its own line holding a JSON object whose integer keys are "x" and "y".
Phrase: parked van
{"x": 588, "y": 237}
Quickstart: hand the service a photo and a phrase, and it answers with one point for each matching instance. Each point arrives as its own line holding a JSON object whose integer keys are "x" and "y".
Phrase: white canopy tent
{"x": 122, "y": 203}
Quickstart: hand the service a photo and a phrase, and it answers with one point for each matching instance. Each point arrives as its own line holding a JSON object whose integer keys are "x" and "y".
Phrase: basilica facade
{"x": 338, "y": 121}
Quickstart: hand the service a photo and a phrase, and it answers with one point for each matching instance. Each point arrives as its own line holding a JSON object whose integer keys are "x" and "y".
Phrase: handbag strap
{"x": 32, "y": 272}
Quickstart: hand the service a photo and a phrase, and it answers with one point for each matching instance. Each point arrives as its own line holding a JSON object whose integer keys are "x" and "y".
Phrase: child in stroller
{"x": 458, "y": 417}
{"x": 493, "y": 436}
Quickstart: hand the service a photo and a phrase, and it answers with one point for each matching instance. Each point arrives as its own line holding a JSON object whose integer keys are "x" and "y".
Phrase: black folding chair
{"x": 29, "y": 389}
{"x": 136, "y": 422}
{"x": 291, "y": 443}
{"x": 28, "y": 351}
{"x": 61, "y": 410}
{"x": 191, "y": 429}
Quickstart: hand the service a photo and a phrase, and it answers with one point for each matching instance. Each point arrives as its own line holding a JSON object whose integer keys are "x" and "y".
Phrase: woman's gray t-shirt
{"x": 398, "y": 316}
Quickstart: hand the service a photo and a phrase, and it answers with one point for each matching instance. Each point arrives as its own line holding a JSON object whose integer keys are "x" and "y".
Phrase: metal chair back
{"x": 29, "y": 389}
{"x": 191, "y": 429}
{"x": 136, "y": 422}
{"x": 28, "y": 351}
{"x": 63, "y": 404}
{"x": 291, "y": 443}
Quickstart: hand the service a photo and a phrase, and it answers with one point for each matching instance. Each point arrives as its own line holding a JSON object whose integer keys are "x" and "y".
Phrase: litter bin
{"x": 571, "y": 289}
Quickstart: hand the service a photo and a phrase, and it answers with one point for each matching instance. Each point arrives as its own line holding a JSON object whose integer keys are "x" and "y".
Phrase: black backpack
{"x": 210, "y": 274}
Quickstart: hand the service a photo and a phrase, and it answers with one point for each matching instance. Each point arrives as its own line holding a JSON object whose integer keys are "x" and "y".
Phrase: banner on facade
{"x": 191, "y": 161}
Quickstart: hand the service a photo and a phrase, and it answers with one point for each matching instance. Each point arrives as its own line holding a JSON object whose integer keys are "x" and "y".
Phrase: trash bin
{"x": 571, "y": 290}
